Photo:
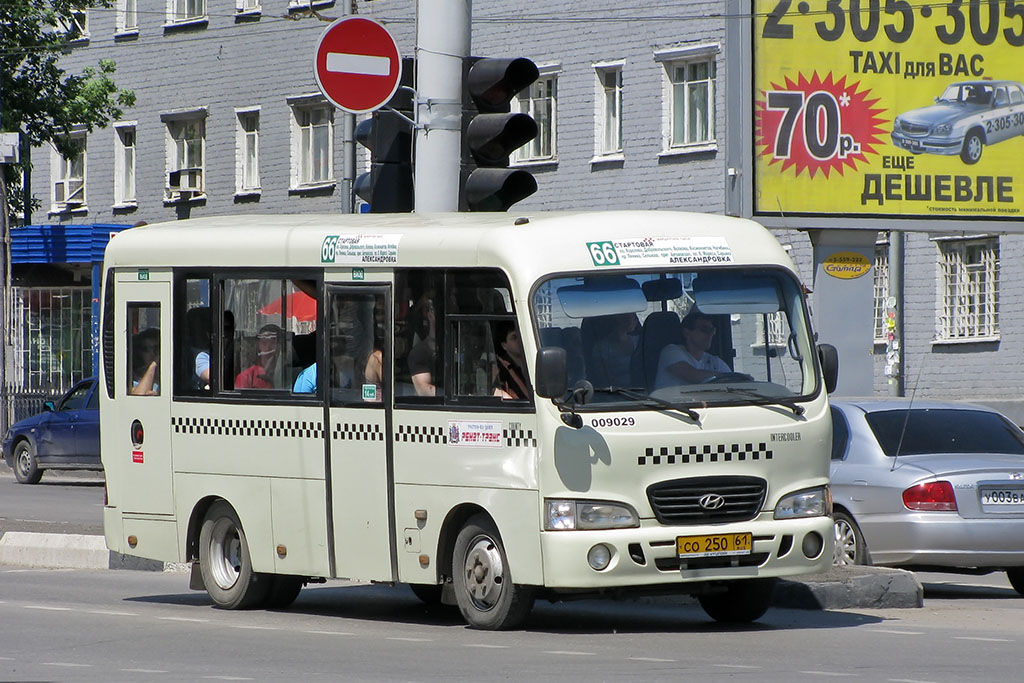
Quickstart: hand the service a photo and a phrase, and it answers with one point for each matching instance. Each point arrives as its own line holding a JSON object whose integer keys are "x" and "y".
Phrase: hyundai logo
{"x": 711, "y": 501}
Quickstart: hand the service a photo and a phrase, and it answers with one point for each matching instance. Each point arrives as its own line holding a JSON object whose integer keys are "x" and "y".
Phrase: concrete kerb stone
{"x": 70, "y": 551}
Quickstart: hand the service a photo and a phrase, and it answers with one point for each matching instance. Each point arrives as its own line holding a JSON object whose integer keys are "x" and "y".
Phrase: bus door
{"x": 142, "y": 392}
{"x": 361, "y": 491}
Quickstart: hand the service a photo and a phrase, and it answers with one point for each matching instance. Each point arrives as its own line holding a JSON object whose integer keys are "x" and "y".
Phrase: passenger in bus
{"x": 511, "y": 380}
{"x": 423, "y": 354}
{"x": 613, "y": 352}
{"x": 146, "y": 363}
{"x": 263, "y": 373}
{"x": 306, "y": 382}
{"x": 690, "y": 362}
{"x": 202, "y": 365}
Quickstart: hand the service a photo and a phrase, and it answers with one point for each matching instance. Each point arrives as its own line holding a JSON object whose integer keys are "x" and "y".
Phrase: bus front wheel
{"x": 487, "y": 596}
{"x": 225, "y": 562}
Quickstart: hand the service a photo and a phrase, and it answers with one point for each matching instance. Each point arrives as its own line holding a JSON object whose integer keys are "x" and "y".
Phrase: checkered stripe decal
{"x": 421, "y": 434}
{"x": 287, "y": 429}
{"x": 708, "y": 453}
{"x": 346, "y": 431}
{"x": 519, "y": 437}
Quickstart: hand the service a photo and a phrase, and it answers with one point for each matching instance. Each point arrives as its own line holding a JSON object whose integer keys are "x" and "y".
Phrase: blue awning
{"x": 79, "y": 243}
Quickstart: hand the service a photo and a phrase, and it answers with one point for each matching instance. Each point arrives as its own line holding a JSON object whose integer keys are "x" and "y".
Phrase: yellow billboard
{"x": 889, "y": 108}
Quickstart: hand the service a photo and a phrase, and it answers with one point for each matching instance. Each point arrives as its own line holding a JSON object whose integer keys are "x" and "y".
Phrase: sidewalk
{"x": 839, "y": 588}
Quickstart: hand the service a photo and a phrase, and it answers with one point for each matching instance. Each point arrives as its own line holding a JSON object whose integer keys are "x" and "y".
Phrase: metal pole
{"x": 348, "y": 147}
{"x": 896, "y": 345}
{"x": 442, "y": 41}
{"x": 5, "y": 299}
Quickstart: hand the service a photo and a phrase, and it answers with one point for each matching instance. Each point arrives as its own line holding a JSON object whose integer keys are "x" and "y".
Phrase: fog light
{"x": 812, "y": 545}
{"x": 599, "y": 557}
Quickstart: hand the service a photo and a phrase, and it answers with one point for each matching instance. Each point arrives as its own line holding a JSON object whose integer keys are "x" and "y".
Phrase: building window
{"x": 247, "y": 6}
{"x": 540, "y": 102}
{"x": 313, "y": 144}
{"x": 247, "y": 152}
{"x": 124, "y": 165}
{"x": 69, "y": 176}
{"x": 188, "y": 10}
{"x": 609, "y": 110}
{"x": 968, "y": 278}
{"x": 127, "y": 16}
{"x": 881, "y": 288}
{"x": 690, "y": 95}
{"x": 77, "y": 27}
{"x": 186, "y": 143}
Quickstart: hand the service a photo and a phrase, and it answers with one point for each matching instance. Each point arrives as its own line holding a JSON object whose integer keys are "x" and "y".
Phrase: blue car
{"x": 965, "y": 118}
{"x": 63, "y": 436}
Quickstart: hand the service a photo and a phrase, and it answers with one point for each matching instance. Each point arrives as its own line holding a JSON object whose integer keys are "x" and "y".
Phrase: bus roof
{"x": 530, "y": 244}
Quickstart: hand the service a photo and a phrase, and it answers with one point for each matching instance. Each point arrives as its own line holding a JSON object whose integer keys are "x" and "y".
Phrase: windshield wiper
{"x": 645, "y": 398}
{"x": 769, "y": 400}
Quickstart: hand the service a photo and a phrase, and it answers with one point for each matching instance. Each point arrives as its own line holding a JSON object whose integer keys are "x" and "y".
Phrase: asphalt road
{"x": 63, "y": 502}
{"x": 146, "y": 626}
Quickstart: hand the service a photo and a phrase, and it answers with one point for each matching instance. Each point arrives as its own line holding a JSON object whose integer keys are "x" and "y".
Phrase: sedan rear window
{"x": 944, "y": 431}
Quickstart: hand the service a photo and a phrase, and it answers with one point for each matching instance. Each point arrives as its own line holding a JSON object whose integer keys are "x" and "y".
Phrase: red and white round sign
{"x": 357, "y": 64}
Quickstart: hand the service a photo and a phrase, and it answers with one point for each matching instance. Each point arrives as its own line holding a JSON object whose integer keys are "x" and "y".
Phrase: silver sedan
{"x": 928, "y": 485}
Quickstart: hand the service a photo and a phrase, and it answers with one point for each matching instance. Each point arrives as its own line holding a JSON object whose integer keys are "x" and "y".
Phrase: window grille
{"x": 968, "y": 278}
{"x": 881, "y": 288}
{"x": 52, "y": 338}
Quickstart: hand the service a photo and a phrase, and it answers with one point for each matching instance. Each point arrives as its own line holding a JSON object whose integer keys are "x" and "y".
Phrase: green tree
{"x": 37, "y": 97}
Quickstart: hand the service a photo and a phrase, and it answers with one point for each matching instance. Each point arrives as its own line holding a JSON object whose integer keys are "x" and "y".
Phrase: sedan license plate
{"x": 1006, "y": 496}
{"x": 715, "y": 545}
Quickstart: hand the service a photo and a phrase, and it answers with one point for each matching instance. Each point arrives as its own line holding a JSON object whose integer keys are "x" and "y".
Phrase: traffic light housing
{"x": 491, "y": 132}
{"x": 388, "y": 135}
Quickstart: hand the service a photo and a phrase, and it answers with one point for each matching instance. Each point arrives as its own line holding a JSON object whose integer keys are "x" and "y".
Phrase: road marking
{"x": 48, "y": 608}
{"x": 193, "y": 621}
{"x": 897, "y": 633}
{"x": 651, "y": 659}
{"x": 73, "y": 665}
{"x": 255, "y": 628}
{"x": 984, "y": 640}
{"x": 738, "y": 666}
{"x": 330, "y": 633}
{"x": 364, "y": 65}
{"x": 908, "y": 680}
{"x": 570, "y": 653}
{"x": 826, "y": 673}
{"x": 112, "y": 614}
{"x": 227, "y": 678}
{"x": 143, "y": 671}
{"x": 486, "y": 645}
{"x": 411, "y": 640}
{"x": 7, "y": 659}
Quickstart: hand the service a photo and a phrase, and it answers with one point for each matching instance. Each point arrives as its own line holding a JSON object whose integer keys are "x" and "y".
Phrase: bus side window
{"x": 419, "y": 315}
{"x": 143, "y": 350}
{"x": 193, "y": 334}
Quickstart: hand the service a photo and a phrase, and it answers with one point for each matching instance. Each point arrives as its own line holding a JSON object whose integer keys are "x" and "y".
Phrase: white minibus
{"x": 491, "y": 409}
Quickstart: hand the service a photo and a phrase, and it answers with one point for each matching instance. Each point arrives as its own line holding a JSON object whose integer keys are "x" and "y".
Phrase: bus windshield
{"x": 689, "y": 337}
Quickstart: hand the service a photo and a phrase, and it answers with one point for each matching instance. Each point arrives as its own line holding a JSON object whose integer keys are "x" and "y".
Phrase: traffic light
{"x": 491, "y": 132}
{"x": 388, "y": 135}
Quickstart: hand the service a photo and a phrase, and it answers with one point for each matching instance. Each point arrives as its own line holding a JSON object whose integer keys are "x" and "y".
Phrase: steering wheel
{"x": 723, "y": 377}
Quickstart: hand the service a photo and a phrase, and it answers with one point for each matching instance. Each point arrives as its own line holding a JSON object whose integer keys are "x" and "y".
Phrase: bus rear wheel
{"x": 225, "y": 562}
{"x": 487, "y": 597}
{"x": 742, "y": 601}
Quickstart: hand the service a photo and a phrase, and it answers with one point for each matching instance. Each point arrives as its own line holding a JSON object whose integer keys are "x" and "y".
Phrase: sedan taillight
{"x": 931, "y": 495}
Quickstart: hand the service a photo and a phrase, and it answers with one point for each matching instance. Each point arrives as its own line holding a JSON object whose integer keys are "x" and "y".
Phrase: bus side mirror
{"x": 552, "y": 372}
{"x": 829, "y": 358}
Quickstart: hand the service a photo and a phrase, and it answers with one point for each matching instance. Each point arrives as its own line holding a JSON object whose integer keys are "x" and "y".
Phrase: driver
{"x": 690, "y": 362}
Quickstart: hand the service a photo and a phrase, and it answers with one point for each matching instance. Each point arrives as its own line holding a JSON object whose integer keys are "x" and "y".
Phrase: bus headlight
{"x": 816, "y": 502}
{"x": 562, "y": 515}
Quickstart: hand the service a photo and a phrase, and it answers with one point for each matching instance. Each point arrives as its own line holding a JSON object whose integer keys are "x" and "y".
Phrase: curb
{"x": 69, "y": 551}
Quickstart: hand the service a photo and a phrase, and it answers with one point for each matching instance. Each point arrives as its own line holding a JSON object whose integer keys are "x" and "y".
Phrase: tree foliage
{"x": 37, "y": 97}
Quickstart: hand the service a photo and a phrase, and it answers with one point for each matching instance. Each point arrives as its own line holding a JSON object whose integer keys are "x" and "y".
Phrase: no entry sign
{"x": 357, "y": 64}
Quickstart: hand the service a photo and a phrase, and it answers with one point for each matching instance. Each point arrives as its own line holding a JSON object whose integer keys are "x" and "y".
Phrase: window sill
{"x": 249, "y": 194}
{"x": 608, "y": 159}
{"x": 299, "y": 6}
{"x": 991, "y": 339}
{"x": 535, "y": 163}
{"x": 699, "y": 148}
{"x": 125, "y": 205}
{"x": 58, "y": 210}
{"x": 126, "y": 34}
{"x": 184, "y": 24}
{"x": 313, "y": 187}
{"x": 249, "y": 15}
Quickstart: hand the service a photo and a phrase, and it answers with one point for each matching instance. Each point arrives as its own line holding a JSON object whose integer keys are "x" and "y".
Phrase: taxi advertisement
{"x": 889, "y": 108}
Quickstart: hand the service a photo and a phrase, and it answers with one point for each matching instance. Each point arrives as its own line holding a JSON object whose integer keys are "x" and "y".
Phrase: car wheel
{"x": 487, "y": 596}
{"x": 26, "y": 468}
{"x": 225, "y": 562}
{"x": 283, "y": 591}
{"x": 741, "y": 602}
{"x": 1016, "y": 577}
{"x": 971, "y": 151}
{"x": 849, "y": 542}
